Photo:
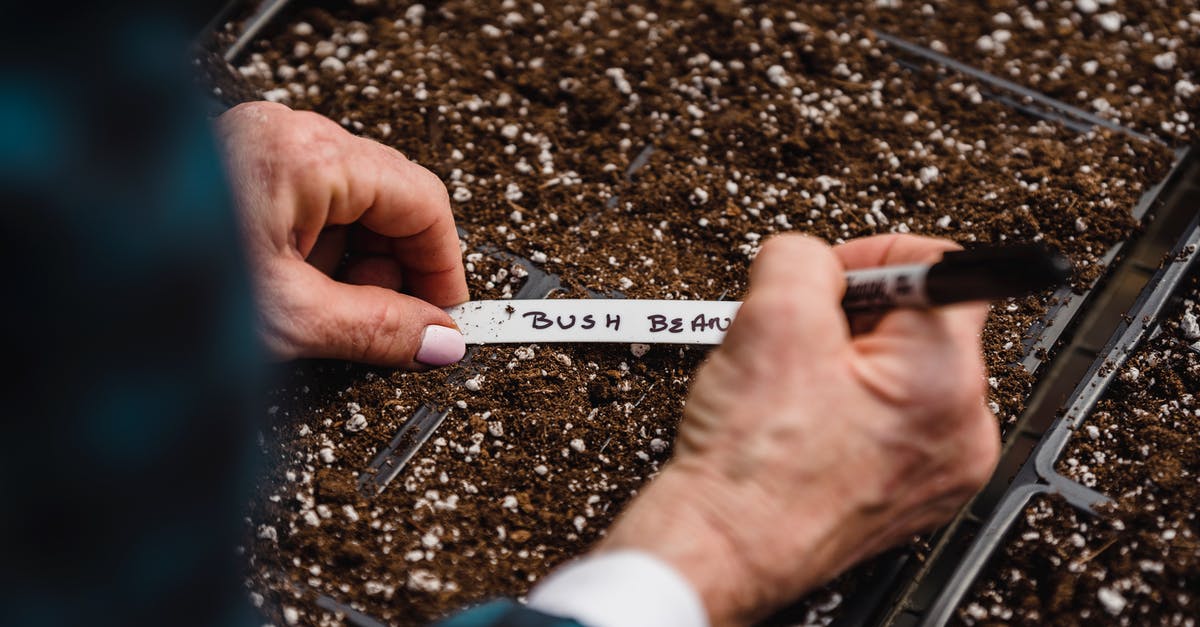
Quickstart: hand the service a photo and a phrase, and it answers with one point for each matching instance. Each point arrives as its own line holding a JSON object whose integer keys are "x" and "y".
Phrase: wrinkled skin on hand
{"x": 353, "y": 246}
{"x": 805, "y": 448}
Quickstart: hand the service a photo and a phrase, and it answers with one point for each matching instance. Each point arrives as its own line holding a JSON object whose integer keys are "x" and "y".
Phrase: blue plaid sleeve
{"x": 128, "y": 328}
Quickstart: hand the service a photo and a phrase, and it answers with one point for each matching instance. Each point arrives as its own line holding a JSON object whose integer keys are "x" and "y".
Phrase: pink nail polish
{"x": 441, "y": 346}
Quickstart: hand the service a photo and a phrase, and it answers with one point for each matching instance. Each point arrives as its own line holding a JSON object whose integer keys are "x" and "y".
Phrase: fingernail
{"x": 441, "y": 346}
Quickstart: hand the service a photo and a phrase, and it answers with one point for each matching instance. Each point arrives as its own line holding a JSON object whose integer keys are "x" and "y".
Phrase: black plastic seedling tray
{"x": 1038, "y": 476}
{"x": 1177, "y": 201}
{"x": 1072, "y": 319}
{"x": 897, "y": 588}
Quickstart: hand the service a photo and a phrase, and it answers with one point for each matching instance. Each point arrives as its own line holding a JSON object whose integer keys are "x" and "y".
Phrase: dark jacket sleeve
{"x": 132, "y": 368}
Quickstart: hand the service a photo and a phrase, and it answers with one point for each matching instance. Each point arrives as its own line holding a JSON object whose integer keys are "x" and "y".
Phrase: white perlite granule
{"x": 1110, "y": 21}
{"x": 357, "y": 423}
{"x": 619, "y": 81}
{"x": 1112, "y": 600}
{"x": 1165, "y": 61}
{"x": 333, "y": 65}
{"x": 424, "y": 581}
{"x": 1190, "y": 326}
{"x": 779, "y": 76}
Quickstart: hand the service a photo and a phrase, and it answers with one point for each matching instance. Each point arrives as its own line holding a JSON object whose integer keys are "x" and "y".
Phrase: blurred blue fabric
{"x": 134, "y": 376}
{"x": 132, "y": 368}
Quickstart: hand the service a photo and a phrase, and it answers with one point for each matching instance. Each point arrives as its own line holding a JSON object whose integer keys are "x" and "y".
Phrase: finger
{"x": 425, "y": 240}
{"x": 399, "y": 199}
{"x": 892, "y": 249}
{"x": 413, "y": 208}
{"x": 796, "y": 288}
{"x": 365, "y": 241}
{"x": 337, "y": 178}
{"x": 364, "y": 323}
{"x": 792, "y": 260}
{"x": 326, "y": 254}
{"x": 427, "y": 284}
{"x": 377, "y": 270}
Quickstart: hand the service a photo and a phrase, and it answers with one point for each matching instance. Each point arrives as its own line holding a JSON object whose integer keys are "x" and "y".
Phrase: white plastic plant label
{"x": 594, "y": 320}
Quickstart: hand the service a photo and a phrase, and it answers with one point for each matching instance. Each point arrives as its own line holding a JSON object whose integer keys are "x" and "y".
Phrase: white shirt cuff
{"x": 620, "y": 589}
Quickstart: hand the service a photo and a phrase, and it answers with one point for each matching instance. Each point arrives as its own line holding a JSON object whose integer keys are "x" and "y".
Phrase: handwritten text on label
{"x": 655, "y": 323}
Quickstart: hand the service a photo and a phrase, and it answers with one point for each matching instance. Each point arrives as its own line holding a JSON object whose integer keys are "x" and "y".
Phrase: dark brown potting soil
{"x": 1136, "y": 62}
{"x": 1064, "y": 568}
{"x": 1138, "y": 562}
{"x": 543, "y": 446}
{"x": 1145, "y": 436}
{"x": 761, "y": 120}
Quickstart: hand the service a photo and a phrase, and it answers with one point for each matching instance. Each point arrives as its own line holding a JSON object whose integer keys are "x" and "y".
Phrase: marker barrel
{"x": 886, "y": 287}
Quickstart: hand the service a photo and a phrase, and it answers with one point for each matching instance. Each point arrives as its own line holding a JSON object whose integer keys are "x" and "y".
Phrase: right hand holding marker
{"x": 804, "y": 448}
{"x": 353, "y": 247}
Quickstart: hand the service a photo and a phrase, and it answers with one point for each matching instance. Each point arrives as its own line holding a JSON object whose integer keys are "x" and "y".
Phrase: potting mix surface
{"x": 1138, "y": 561}
{"x": 649, "y": 151}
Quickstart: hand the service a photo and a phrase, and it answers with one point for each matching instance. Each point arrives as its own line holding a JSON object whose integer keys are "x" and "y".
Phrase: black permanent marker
{"x": 982, "y": 274}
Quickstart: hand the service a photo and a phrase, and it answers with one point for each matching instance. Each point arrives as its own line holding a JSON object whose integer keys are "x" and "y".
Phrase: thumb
{"x": 793, "y": 307}
{"x": 365, "y": 323}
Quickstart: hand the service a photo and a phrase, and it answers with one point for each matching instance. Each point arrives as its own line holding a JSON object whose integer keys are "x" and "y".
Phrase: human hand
{"x": 336, "y": 226}
{"x": 803, "y": 448}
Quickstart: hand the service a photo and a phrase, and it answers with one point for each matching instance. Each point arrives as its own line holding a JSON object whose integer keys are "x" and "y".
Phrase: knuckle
{"x": 255, "y": 110}
{"x": 431, "y": 183}
{"x": 302, "y": 132}
{"x": 295, "y": 139}
{"x": 958, "y": 383}
{"x": 318, "y": 125}
{"x": 974, "y": 384}
{"x": 381, "y": 331}
{"x": 305, "y": 149}
{"x": 982, "y": 462}
{"x": 979, "y": 441}
{"x": 970, "y": 377}
{"x": 948, "y": 390}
